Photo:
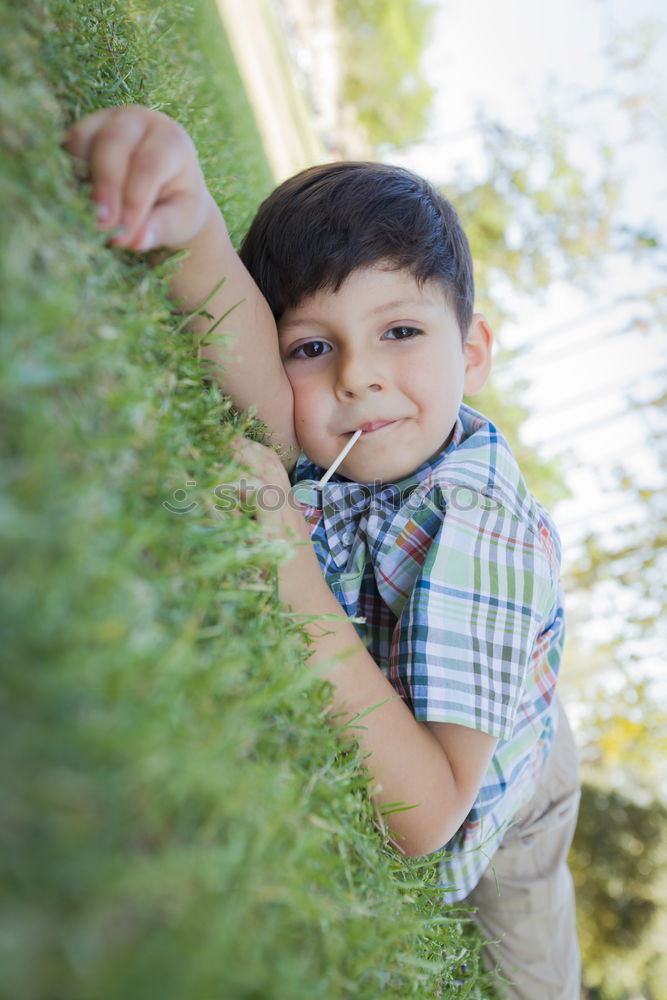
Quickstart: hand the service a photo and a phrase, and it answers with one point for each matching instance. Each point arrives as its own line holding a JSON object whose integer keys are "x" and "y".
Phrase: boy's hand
{"x": 146, "y": 180}
{"x": 300, "y": 579}
{"x": 268, "y": 485}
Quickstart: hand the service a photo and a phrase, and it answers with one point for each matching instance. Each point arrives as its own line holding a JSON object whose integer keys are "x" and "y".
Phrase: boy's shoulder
{"x": 480, "y": 459}
{"x": 480, "y": 468}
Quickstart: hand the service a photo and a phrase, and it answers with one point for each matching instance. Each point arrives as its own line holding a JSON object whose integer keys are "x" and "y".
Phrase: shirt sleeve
{"x": 463, "y": 643}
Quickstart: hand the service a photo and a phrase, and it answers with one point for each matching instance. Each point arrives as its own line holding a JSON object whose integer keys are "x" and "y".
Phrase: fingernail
{"x": 149, "y": 241}
{"x": 102, "y": 212}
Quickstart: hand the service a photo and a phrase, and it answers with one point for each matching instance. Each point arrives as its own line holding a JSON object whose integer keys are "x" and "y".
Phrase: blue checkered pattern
{"x": 455, "y": 571}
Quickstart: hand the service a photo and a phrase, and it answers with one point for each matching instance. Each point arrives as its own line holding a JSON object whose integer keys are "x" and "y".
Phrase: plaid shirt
{"x": 455, "y": 573}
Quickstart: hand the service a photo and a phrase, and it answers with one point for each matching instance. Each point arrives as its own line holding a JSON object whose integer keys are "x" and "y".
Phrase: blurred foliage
{"x": 624, "y": 735}
{"x": 618, "y": 865}
{"x": 178, "y": 819}
{"x": 634, "y": 559}
{"x": 382, "y": 42}
{"x": 534, "y": 217}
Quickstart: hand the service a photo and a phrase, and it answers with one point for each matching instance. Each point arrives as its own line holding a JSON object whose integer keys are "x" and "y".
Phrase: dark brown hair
{"x": 319, "y": 226}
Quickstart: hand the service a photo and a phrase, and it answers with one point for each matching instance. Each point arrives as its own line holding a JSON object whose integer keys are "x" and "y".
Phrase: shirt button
{"x": 347, "y": 538}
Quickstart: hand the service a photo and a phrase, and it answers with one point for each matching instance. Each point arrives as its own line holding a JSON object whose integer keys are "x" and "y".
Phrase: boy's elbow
{"x": 424, "y": 839}
{"x": 417, "y": 849}
{"x": 425, "y": 847}
{"x": 427, "y": 829}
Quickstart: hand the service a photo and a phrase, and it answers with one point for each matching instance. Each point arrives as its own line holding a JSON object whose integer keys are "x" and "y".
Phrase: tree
{"x": 534, "y": 218}
{"x": 618, "y": 866}
{"x": 382, "y": 42}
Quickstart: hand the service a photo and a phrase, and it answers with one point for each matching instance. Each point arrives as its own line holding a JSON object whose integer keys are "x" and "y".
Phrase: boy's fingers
{"x": 165, "y": 225}
{"x": 79, "y": 137}
{"x": 80, "y": 141}
{"x": 110, "y": 156}
{"x": 261, "y": 462}
{"x": 151, "y": 172}
{"x": 104, "y": 139}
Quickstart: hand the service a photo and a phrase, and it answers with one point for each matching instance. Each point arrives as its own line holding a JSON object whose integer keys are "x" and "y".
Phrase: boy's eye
{"x": 402, "y": 333}
{"x": 313, "y": 349}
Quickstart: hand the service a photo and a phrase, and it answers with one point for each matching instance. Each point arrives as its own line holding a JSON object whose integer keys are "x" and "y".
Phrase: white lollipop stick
{"x": 338, "y": 459}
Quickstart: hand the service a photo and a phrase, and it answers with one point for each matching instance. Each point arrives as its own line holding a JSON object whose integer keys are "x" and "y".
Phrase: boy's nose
{"x": 359, "y": 390}
{"x": 356, "y": 376}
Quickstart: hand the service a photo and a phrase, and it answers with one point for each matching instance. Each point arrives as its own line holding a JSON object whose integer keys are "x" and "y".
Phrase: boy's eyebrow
{"x": 303, "y": 321}
{"x": 400, "y": 304}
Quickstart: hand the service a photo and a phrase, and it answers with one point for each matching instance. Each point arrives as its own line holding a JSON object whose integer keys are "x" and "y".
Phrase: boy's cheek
{"x": 309, "y": 422}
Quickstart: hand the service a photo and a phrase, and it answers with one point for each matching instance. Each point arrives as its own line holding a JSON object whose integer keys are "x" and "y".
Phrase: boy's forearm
{"x": 243, "y": 348}
{"x": 406, "y": 762}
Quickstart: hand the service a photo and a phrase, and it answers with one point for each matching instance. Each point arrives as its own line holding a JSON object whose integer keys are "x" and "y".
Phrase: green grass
{"x": 177, "y": 818}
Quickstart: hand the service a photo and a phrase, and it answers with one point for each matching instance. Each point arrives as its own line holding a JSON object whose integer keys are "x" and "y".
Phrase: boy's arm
{"x": 246, "y": 362}
{"x": 434, "y": 769}
{"x": 150, "y": 193}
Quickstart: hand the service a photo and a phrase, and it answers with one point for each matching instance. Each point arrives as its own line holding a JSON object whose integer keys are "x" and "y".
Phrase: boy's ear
{"x": 477, "y": 355}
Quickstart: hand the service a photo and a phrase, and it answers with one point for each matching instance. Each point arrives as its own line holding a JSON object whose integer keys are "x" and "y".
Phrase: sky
{"x": 584, "y": 354}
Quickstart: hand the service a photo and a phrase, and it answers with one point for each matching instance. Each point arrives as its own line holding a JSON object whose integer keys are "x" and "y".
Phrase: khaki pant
{"x": 525, "y": 899}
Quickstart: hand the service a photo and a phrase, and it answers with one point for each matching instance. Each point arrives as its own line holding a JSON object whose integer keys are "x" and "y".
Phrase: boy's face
{"x": 385, "y": 355}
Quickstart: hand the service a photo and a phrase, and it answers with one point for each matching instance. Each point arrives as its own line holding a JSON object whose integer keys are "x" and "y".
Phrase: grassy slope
{"x": 177, "y": 819}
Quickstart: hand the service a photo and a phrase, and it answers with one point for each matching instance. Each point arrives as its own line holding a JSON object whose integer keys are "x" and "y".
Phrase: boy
{"x": 354, "y": 295}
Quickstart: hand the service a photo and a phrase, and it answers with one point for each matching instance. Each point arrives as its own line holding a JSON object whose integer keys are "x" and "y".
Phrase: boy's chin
{"x": 391, "y": 468}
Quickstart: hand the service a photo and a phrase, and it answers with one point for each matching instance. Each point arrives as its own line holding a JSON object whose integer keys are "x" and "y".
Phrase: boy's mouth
{"x": 375, "y": 425}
